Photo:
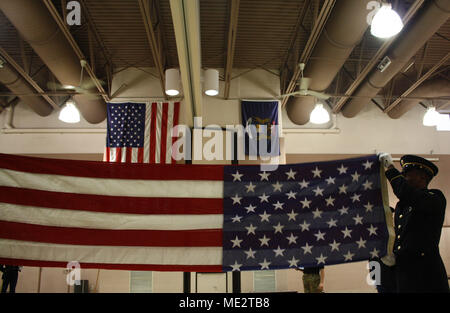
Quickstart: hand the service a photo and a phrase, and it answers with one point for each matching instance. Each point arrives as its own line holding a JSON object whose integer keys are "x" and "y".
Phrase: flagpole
{"x": 96, "y": 281}
{"x": 389, "y": 258}
{"x": 187, "y": 275}
{"x": 236, "y": 275}
{"x": 39, "y": 280}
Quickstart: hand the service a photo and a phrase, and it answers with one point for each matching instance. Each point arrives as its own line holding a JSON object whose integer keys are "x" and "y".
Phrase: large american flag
{"x": 141, "y": 132}
{"x": 303, "y": 215}
{"x": 199, "y": 218}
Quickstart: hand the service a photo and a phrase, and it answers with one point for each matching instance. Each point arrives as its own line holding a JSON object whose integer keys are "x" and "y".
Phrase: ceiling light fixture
{"x": 69, "y": 113}
{"x": 172, "y": 82}
{"x": 319, "y": 115}
{"x": 443, "y": 123}
{"x": 211, "y": 82}
{"x": 210, "y": 78}
{"x": 386, "y": 22}
{"x": 431, "y": 117}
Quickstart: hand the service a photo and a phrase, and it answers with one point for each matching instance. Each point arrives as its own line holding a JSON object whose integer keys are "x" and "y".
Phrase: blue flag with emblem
{"x": 260, "y": 119}
{"x": 304, "y": 215}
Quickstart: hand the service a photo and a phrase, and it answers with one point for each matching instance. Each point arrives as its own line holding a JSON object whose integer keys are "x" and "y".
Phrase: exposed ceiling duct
{"x": 343, "y": 31}
{"x": 433, "y": 88}
{"x": 36, "y": 25}
{"x": 434, "y": 15}
{"x": 18, "y": 85}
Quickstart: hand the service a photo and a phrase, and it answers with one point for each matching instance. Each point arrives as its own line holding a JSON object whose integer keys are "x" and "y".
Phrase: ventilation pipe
{"x": 15, "y": 82}
{"x": 36, "y": 25}
{"x": 433, "y": 16}
{"x": 433, "y": 88}
{"x": 342, "y": 32}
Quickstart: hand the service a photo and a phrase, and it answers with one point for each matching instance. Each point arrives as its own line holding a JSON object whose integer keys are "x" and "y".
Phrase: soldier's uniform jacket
{"x": 418, "y": 219}
{"x": 419, "y": 216}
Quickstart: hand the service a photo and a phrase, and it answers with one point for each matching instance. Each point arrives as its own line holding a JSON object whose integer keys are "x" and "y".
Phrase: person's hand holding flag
{"x": 386, "y": 159}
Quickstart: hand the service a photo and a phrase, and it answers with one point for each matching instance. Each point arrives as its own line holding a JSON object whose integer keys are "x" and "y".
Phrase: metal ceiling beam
{"x": 27, "y": 77}
{"x": 63, "y": 27}
{"x": 417, "y": 83}
{"x": 91, "y": 48}
{"x": 157, "y": 52}
{"x": 441, "y": 72}
{"x": 376, "y": 58}
{"x": 93, "y": 31}
{"x": 5, "y": 104}
{"x": 422, "y": 59}
{"x": 26, "y": 64}
{"x": 186, "y": 24}
{"x": 294, "y": 38}
{"x": 232, "y": 31}
{"x": 255, "y": 66}
{"x": 71, "y": 93}
{"x": 310, "y": 44}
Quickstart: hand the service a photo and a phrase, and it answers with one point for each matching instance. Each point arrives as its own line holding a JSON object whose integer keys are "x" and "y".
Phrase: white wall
{"x": 40, "y": 142}
{"x": 371, "y": 130}
{"x": 53, "y": 280}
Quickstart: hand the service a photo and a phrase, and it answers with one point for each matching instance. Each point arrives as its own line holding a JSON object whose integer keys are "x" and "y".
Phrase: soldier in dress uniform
{"x": 10, "y": 276}
{"x": 418, "y": 219}
{"x": 387, "y": 282}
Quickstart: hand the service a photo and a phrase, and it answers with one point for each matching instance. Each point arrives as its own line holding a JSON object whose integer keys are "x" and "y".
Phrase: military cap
{"x": 409, "y": 162}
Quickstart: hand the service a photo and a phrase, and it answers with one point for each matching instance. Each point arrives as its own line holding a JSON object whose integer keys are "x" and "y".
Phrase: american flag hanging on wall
{"x": 199, "y": 218}
{"x": 141, "y": 132}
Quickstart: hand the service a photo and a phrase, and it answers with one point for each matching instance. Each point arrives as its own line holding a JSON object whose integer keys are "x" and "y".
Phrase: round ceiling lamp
{"x": 69, "y": 113}
{"x": 386, "y": 22}
{"x": 319, "y": 115}
{"x": 431, "y": 117}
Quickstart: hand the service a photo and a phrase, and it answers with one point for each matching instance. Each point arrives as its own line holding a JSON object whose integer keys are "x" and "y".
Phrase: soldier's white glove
{"x": 385, "y": 159}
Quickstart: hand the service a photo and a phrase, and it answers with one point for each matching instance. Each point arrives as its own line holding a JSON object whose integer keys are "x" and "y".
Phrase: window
{"x": 264, "y": 281}
{"x": 140, "y": 281}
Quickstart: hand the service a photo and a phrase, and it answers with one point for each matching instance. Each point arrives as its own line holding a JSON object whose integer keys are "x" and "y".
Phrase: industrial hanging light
{"x": 69, "y": 113}
{"x": 319, "y": 115}
{"x": 431, "y": 117}
{"x": 386, "y": 22}
{"x": 172, "y": 82}
{"x": 443, "y": 123}
{"x": 211, "y": 82}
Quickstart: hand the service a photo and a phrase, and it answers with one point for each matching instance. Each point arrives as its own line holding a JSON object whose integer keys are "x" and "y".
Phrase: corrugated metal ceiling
{"x": 265, "y": 32}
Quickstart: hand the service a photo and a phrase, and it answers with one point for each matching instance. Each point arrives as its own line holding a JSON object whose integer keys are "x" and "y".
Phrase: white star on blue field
{"x": 303, "y": 215}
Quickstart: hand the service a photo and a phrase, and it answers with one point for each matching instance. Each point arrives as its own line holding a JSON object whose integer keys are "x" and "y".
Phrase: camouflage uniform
{"x": 311, "y": 279}
{"x": 311, "y": 282}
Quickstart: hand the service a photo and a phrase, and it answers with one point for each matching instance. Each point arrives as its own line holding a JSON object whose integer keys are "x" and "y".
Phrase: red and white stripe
{"x": 114, "y": 216}
{"x": 160, "y": 119}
